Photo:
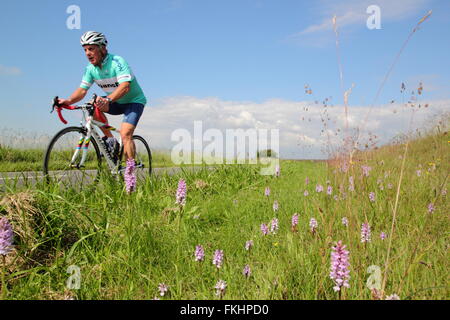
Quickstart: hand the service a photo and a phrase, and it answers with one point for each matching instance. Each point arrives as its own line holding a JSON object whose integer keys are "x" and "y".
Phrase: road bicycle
{"x": 74, "y": 156}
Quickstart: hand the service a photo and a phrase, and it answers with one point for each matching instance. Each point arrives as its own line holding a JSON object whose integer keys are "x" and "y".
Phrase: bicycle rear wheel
{"x": 63, "y": 162}
{"x": 142, "y": 158}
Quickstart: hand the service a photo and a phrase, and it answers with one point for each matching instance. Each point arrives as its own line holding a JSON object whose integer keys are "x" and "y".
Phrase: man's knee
{"x": 126, "y": 138}
{"x": 126, "y": 131}
{"x": 127, "y": 135}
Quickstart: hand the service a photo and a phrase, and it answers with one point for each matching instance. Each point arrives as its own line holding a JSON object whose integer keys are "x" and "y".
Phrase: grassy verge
{"x": 125, "y": 245}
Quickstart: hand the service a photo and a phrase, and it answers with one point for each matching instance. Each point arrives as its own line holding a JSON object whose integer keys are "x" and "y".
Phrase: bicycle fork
{"x": 83, "y": 143}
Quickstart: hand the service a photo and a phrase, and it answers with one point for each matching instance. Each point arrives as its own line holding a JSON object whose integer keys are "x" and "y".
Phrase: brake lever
{"x": 55, "y": 103}
{"x": 93, "y": 100}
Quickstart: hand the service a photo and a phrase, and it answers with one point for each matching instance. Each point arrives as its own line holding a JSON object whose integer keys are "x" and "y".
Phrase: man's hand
{"x": 65, "y": 102}
{"x": 102, "y": 104}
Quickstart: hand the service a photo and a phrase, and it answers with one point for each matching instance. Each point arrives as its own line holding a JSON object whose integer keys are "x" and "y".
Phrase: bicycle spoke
{"x": 64, "y": 163}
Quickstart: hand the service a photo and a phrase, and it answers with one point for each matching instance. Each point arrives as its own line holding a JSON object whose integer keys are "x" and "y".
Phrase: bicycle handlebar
{"x": 59, "y": 107}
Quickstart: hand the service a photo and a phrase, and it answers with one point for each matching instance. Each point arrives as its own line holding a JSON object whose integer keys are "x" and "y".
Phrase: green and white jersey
{"x": 114, "y": 71}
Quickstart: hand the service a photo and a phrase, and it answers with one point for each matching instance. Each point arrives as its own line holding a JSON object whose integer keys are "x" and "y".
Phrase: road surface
{"x": 31, "y": 177}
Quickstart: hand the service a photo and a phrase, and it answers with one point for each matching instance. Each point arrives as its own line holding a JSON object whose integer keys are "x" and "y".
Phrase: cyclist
{"x": 111, "y": 73}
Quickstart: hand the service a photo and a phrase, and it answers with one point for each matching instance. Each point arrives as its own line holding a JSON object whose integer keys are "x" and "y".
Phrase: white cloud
{"x": 9, "y": 71}
{"x": 303, "y": 134}
{"x": 347, "y": 18}
{"x": 353, "y": 13}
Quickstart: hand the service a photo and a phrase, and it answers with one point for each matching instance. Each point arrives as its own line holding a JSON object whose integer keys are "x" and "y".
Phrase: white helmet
{"x": 93, "y": 37}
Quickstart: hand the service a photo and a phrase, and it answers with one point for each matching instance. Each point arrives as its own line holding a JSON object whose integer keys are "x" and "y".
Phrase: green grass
{"x": 18, "y": 160}
{"x": 125, "y": 245}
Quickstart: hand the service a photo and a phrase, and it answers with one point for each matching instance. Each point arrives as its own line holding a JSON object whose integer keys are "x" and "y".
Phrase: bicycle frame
{"x": 89, "y": 124}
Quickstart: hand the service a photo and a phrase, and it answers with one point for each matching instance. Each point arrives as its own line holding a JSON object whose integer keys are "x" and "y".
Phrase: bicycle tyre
{"x": 58, "y": 165}
{"x": 143, "y": 157}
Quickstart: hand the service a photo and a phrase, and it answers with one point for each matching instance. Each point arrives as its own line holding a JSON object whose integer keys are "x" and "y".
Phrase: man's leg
{"x": 126, "y": 133}
{"x": 132, "y": 113}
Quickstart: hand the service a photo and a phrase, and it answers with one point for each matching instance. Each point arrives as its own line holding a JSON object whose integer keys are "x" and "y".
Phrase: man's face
{"x": 94, "y": 54}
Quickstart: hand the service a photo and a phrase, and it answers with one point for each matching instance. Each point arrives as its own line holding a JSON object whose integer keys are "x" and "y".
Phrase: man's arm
{"x": 76, "y": 96}
{"x": 121, "y": 90}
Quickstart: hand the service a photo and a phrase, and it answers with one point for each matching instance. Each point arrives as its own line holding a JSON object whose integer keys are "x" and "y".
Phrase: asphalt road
{"x": 31, "y": 177}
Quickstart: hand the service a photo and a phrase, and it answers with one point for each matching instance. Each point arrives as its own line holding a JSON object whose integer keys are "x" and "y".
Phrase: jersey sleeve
{"x": 87, "y": 80}
{"x": 123, "y": 70}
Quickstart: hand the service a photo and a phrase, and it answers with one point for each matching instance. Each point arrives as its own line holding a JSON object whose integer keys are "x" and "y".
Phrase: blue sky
{"x": 247, "y": 51}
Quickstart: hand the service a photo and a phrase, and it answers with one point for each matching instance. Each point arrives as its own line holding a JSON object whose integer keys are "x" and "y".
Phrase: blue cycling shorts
{"x": 132, "y": 111}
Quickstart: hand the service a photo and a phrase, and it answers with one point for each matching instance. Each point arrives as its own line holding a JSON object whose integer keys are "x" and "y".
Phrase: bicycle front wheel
{"x": 72, "y": 160}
